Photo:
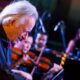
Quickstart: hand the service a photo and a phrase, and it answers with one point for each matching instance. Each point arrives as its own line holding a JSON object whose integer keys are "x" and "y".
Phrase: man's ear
{"x": 11, "y": 21}
{"x": 8, "y": 21}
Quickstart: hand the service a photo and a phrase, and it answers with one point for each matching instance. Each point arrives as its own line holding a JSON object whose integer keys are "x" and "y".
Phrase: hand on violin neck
{"x": 56, "y": 68}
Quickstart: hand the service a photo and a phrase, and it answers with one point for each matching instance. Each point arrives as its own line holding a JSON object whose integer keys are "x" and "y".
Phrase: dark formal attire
{"x": 5, "y": 59}
{"x": 47, "y": 53}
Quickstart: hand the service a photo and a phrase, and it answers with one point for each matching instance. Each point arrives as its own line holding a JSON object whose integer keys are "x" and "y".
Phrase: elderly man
{"x": 15, "y": 18}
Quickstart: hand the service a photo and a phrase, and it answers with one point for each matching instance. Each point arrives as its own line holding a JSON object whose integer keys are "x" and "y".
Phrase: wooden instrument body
{"x": 44, "y": 63}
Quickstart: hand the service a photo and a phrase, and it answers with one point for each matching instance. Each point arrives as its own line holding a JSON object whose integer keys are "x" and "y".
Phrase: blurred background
{"x": 59, "y": 18}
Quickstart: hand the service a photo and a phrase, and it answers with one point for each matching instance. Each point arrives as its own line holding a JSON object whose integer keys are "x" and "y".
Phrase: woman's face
{"x": 27, "y": 44}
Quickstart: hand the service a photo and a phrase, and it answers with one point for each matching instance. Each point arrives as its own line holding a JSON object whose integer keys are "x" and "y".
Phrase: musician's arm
{"x": 22, "y": 73}
{"x": 67, "y": 52}
{"x": 56, "y": 68}
{"x": 70, "y": 47}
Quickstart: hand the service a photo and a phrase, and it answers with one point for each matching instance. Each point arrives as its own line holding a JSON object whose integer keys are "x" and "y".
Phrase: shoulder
{"x": 72, "y": 42}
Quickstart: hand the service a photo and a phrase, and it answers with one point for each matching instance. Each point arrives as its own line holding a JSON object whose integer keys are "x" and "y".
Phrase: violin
{"x": 17, "y": 57}
{"x": 16, "y": 53}
{"x": 44, "y": 63}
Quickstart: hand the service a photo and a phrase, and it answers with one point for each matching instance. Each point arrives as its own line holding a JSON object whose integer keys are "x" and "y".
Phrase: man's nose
{"x": 41, "y": 41}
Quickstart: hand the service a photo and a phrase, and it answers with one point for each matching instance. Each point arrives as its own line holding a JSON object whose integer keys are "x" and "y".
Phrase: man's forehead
{"x": 41, "y": 36}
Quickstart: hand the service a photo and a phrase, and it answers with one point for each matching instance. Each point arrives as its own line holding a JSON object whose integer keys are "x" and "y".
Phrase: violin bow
{"x": 39, "y": 57}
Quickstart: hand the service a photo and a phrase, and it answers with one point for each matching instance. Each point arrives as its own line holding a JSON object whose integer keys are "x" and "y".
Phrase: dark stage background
{"x": 51, "y": 12}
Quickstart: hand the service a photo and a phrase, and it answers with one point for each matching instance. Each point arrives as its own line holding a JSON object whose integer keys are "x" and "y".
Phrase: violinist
{"x": 26, "y": 45}
{"x": 18, "y": 63}
{"x": 73, "y": 48}
{"x": 15, "y": 18}
{"x": 40, "y": 43}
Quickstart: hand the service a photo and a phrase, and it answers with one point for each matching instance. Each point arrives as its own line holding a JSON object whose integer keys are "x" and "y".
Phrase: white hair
{"x": 19, "y": 7}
